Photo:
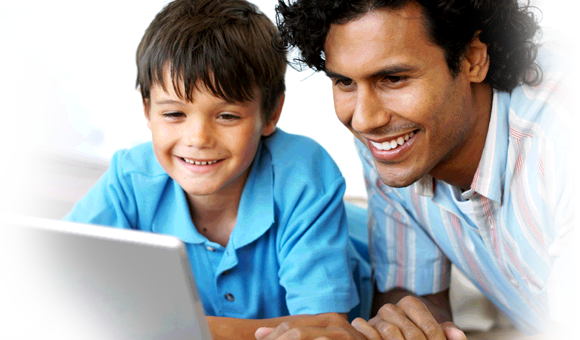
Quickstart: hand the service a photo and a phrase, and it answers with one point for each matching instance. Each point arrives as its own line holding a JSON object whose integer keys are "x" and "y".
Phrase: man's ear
{"x": 477, "y": 60}
{"x": 147, "y": 111}
{"x": 270, "y": 126}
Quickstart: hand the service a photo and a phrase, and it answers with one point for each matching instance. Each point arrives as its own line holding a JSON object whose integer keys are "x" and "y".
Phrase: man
{"x": 465, "y": 141}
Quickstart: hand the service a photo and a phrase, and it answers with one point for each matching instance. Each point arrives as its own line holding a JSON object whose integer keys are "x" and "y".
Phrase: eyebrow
{"x": 169, "y": 101}
{"x": 389, "y": 71}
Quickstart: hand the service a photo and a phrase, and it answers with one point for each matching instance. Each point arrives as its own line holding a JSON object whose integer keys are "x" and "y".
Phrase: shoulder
{"x": 301, "y": 160}
{"x": 139, "y": 160}
{"x": 546, "y": 110}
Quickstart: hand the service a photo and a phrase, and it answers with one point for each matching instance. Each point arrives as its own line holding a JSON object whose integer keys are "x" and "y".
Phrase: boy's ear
{"x": 270, "y": 126}
{"x": 477, "y": 60}
{"x": 146, "y": 111}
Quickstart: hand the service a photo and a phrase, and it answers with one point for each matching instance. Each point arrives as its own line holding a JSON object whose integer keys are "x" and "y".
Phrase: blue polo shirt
{"x": 287, "y": 253}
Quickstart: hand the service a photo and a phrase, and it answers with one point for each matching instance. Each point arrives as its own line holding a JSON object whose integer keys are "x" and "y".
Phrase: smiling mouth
{"x": 394, "y": 143}
{"x": 194, "y": 162}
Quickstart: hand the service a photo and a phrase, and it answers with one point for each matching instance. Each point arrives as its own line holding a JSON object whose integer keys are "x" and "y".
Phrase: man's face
{"x": 207, "y": 145}
{"x": 392, "y": 88}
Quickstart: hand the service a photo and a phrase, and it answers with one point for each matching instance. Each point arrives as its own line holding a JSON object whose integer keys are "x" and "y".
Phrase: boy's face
{"x": 207, "y": 145}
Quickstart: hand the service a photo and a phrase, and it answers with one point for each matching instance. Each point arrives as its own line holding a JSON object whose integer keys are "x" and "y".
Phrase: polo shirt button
{"x": 226, "y": 272}
{"x": 229, "y": 297}
{"x": 490, "y": 221}
{"x": 514, "y": 282}
{"x": 209, "y": 248}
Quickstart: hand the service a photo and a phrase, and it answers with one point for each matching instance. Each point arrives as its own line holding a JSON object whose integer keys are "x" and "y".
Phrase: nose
{"x": 370, "y": 112}
{"x": 199, "y": 133}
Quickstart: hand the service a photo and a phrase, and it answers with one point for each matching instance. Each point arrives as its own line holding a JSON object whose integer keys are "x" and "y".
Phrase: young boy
{"x": 260, "y": 210}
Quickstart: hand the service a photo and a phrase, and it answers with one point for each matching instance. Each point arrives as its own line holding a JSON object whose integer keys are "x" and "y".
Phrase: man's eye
{"x": 343, "y": 82}
{"x": 394, "y": 79}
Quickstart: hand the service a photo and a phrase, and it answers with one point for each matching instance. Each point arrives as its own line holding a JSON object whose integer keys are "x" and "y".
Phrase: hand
{"x": 316, "y": 327}
{"x": 408, "y": 319}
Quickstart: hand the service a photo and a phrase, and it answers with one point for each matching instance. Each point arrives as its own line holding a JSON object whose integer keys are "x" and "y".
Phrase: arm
{"x": 231, "y": 328}
{"x": 401, "y": 315}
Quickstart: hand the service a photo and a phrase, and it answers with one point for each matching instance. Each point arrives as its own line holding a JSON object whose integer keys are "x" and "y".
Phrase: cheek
{"x": 343, "y": 106}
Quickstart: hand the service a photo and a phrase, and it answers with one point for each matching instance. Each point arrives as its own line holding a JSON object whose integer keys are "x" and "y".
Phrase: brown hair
{"x": 228, "y": 45}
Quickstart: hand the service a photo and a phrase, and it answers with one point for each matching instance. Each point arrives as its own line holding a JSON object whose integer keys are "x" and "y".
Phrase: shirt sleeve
{"x": 109, "y": 202}
{"x": 561, "y": 287}
{"x": 403, "y": 253}
{"x": 313, "y": 256}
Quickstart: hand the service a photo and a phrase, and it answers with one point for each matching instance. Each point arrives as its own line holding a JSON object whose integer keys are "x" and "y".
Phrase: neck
{"x": 215, "y": 216}
{"x": 459, "y": 167}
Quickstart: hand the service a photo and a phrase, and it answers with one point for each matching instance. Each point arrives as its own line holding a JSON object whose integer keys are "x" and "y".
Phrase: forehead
{"x": 379, "y": 39}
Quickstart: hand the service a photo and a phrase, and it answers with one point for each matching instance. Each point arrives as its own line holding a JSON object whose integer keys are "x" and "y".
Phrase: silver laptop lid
{"x": 63, "y": 280}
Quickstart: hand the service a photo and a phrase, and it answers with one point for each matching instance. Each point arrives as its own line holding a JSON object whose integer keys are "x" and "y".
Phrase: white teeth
{"x": 394, "y": 143}
{"x": 199, "y": 162}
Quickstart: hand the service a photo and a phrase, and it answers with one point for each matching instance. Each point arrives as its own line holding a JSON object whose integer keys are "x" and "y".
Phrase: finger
{"x": 321, "y": 321}
{"x": 452, "y": 332}
{"x": 285, "y": 326}
{"x": 394, "y": 315}
{"x": 312, "y": 333}
{"x": 365, "y": 329}
{"x": 387, "y": 330}
{"x": 263, "y": 332}
{"x": 420, "y": 315}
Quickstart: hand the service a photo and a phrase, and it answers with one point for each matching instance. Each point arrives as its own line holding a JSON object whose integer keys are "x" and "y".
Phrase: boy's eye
{"x": 173, "y": 114}
{"x": 228, "y": 116}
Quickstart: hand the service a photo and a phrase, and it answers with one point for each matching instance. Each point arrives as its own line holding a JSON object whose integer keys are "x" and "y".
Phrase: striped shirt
{"x": 523, "y": 208}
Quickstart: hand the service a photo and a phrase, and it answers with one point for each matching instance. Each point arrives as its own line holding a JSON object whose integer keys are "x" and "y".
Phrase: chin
{"x": 399, "y": 181}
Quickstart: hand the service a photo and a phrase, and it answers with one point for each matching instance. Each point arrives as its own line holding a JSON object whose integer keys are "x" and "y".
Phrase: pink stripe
{"x": 541, "y": 165}
{"x": 401, "y": 248}
{"x": 378, "y": 184}
{"x": 556, "y": 88}
{"x": 489, "y": 217}
{"x": 521, "y": 198}
{"x": 417, "y": 205}
{"x": 476, "y": 177}
{"x": 470, "y": 261}
{"x": 523, "y": 294}
{"x": 519, "y": 267}
{"x": 519, "y": 134}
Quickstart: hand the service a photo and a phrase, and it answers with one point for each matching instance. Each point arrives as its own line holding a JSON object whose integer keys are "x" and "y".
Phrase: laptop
{"x": 62, "y": 280}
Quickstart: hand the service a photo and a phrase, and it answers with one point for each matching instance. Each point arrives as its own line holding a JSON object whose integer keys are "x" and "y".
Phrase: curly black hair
{"x": 507, "y": 27}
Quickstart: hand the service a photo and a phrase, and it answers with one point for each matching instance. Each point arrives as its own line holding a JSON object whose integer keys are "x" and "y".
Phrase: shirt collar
{"x": 256, "y": 209}
{"x": 487, "y": 180}
{"x": 173, "y": 217}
